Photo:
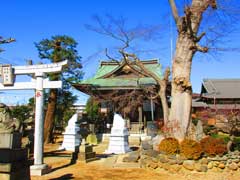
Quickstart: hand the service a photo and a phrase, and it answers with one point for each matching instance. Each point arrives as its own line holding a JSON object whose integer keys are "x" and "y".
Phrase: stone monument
{"x": 71, "y": 136}
{"x": 86, "y": 153}
{"x": 118, "y": 142}
{"x": 13, "y": 158}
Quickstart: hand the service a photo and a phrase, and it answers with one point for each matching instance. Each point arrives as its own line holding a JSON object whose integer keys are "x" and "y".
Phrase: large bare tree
{"x": 189, "y": 38}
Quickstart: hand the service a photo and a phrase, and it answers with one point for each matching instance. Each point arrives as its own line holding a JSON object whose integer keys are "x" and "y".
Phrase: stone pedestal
{"x": 118, "y": 142}
{"x": 86, "y": 153}
{"x": 10, "y": 140}
{"x": 39, "y": 170}
{"x": 14, "y": 163}
{"x": 71, "y": 136}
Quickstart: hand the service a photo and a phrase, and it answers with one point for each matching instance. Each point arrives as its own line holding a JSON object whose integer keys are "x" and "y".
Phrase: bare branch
{"x": 9, "y": 40}
{"x": 201, "y": 48}
{"x": 198, "y": 38}
{"x": 109, "y": 57}
{"x": 175, "y": 13}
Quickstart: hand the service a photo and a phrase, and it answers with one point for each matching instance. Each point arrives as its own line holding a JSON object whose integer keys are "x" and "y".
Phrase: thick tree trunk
{"x": 49, "y": 118}
{"x": 187, "y": 45}
{"x": 181, "y": 88}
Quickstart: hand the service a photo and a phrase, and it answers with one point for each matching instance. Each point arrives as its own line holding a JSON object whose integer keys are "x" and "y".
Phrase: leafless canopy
{"x": 4, "y": 41}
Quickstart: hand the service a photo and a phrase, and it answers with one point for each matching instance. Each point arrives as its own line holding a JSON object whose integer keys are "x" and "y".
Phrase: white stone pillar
{"x": 38, "y": 168}
{"x": 39, "y": 121}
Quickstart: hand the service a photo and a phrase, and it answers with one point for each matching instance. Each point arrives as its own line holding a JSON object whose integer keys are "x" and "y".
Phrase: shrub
{"x": 190, "y": 149}
{"x": 212, "y": 146}
{"x": 169, "y": 146}
{"x": 224, "y": 137}
{"x": 236, "y": 144}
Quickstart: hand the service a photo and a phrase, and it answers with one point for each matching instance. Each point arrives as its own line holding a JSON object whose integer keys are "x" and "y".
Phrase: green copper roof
{"x": 106, "y": 68}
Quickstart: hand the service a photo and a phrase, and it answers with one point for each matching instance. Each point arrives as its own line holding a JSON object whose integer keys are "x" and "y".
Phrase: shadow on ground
{"x": 65, "y": 176}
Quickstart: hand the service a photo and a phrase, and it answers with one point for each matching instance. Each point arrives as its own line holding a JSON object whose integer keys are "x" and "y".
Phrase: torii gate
{"x": 38, "y": 83}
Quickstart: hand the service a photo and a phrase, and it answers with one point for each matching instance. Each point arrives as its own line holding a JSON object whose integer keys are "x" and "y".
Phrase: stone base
{"x": 118, "y": 145}
{"x": 13, "y": 167}
{"x": 70, "y": 141}
{"x": 39, "y": 170}
{"x": 10, "y": 140}
{"x": 21, "y": 174}
{"x": 87, "y": 157}
{"x": 86, "y": 153}
{"x": 13, "y": 155}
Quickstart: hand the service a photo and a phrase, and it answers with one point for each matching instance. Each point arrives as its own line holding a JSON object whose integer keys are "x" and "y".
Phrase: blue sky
{"x": 30, "y": 21}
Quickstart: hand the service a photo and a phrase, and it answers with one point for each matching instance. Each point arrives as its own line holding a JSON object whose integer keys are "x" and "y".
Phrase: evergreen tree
{"x": 56, "y": 49}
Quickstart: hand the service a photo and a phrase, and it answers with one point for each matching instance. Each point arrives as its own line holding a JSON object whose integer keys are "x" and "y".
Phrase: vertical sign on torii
{"x": 38, "y": 83}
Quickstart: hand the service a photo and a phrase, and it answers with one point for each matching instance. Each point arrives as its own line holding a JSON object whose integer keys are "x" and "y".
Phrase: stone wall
{"x": 152, "y": 159}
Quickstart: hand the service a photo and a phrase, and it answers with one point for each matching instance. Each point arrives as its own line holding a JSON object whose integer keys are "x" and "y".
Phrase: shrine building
{"x": 122, "y": 77}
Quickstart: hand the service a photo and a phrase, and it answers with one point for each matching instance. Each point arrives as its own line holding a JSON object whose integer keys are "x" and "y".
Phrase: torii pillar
{"x": 39, "y": 168}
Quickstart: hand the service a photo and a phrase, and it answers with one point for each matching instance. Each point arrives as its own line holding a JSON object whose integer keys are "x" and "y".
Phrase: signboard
{"x": 7, "y": 75}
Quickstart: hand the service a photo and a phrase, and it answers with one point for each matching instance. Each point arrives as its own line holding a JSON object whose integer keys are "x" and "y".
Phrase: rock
{"x": 221, "y": 165}
{"x": 153, "y": 165}
{"x": 239, "y": 164}
{"x": 146, "y": 146}
{"x": 210, "y": 165}
{"x": 132, "y": 157}
{"x": 155, "y": 160}
{"x": 172, "y": 161}
{"x": 233, "y": 166}
{"x": 200, "y": 167}
{"x": 166, "y": 166}
{"x": 160, "y": 164}
{"x": 189, "y": 165}
{"x": 236, "y": 152}
{"x": 229, "y": 161}
{"x": 143, "y": 163}
{"x": 172, "y": 157}
{"x": 197, "y": 167}
{"x": 144, "y": 156}
{"x": 236, "y": 160}
{"x": 175, "y": 168}
{"x": 179, "y": 161}
{"x": 163, "y": 158}
{"x": 204, "y": 161}
{"x": 215, "y": 169}
{"x": 215, "y": 163}
{"x": 156, "y": 141}
{"x": 150, "y": 153}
